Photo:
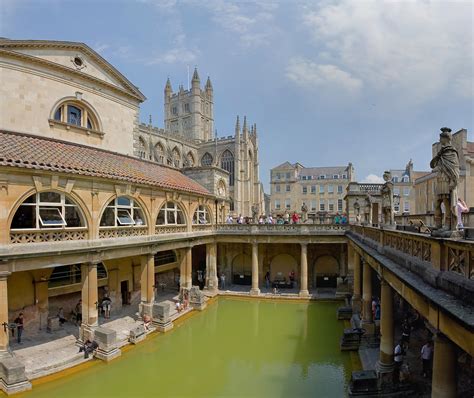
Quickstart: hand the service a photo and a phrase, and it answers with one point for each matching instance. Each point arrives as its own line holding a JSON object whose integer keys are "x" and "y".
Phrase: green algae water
{"x": 235, "y": 348}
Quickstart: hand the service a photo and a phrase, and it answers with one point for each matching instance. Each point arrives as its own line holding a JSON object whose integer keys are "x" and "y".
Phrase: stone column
{"x": 444, "y": 382}
{"x": 356, "y": 305}
{"x": 3, "y": 311}
{"x": 255, "y": 291}
{"x": 185, "y": 269}
{"x": 385, "y": 363}
{"x": 304, "y": 271}
{"x": 211, "y": 265}
{"x": 147, "y": 282}
{"x": 89, "y": 300}
{"x": 367, "y": 321}
{"x": 42, "y": 301}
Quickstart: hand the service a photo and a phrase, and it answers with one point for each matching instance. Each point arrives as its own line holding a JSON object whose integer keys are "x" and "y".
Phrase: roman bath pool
{"x": 236, "y": 347}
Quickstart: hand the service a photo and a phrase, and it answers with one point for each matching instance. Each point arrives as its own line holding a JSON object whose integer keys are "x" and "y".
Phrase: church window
{"x": 186, "y": 107}
{"x": 206, "y": 159}
{"x": 170, "y": 214}
{"x": 174, "y": 110}
{"x": 47, "y": 210}
{"x": 227, "y": 163}
{"x": 121, "y": 212}
{"x": 141, "y": 148}
{"x": 159, "y": 153}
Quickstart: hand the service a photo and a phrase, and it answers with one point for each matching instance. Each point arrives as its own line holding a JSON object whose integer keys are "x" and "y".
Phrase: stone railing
{"x": 170, "y": 229}
{"x": 203, "y": 228}
{"x": 122, "y": 232}
{"x": 48, "y": 235}
{"x": 355, "y": 187}
{"x": 280, "y": 228}
{"x": 443, "y": 254}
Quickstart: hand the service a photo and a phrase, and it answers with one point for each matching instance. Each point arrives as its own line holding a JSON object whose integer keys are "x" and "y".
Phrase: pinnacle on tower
{"x": 255, "y": 129}
{"x": 195, "y": 78}
{"x": 168, "y": 87}
{"x": 237, "y": 127}
{"x": 244, "y": 128}
{"x": 209, "y": 84}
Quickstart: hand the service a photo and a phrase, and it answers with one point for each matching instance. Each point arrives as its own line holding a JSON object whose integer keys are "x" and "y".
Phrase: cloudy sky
{"x": 327, "y": 82}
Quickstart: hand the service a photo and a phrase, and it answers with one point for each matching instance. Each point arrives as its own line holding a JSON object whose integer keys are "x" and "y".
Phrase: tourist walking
{"x": 106, "y": 304}
{"x": 295, "y": 218}
{"x": 19, "y": 327}
{"x": 78, "y": 312}
{"x": 406, "y": 330}
{"x": 222, "y": 281}
{"x": 286, "y": 218}
{"x": 398, "y": 360}
{"x": 426, "y": 357}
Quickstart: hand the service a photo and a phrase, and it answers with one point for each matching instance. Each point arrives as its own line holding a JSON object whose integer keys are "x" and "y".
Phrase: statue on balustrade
{"x": 446, "y": 166}
{"x": 254, "y": 214}
{"x": 387, "y": 199}
{"x": 304, "y": 213}
{"x": 357, "y": 211}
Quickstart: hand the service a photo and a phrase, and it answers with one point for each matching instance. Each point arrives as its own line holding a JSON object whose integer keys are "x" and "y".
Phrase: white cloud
{"x": 373, "y": 179}
{"x": 176, "y": 55}
{"x": 414, "y": 51}
{"x": 310, "y": 74}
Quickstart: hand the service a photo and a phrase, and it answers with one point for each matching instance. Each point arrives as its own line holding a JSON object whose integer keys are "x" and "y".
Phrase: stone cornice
{"x": 131, "y": 92}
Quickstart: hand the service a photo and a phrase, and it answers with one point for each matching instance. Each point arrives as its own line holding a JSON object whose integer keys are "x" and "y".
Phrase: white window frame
{"x": 118, "y": 217}
{"x": 45, "y": 224}
{"x": 277, "y": 204}
{"x": 322, "y": 206}
{"x": 330, "y": 189}
{"x": 129, "y": 209}
{"x": 175, "y": 209}
{"x": 340, "y": 205}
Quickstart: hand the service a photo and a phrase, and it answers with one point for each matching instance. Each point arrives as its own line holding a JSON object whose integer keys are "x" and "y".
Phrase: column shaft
{"x": 189, "y": 267}
{"x": 89, "y": 294}
{"x": 444, "y": 383}
{"x": 304, "y": 270}
{"x": 147, "y": 278}
{"x": 357, "y": 273}
{"x": 367, "y": 294}
{"x": 255, "y": 289}
{"x": 211, "y": 266}
{"x": 3, "y": 311}
{"x": 386, "y": 325}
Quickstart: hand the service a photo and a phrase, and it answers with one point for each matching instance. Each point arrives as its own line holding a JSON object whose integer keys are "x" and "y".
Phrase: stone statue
{"x": 254, "y": 213}
{"x": 304, "y": 212}
{"x": 368, "y": 209}
{"x": 387, "y": 199}
{"x": 357, "y": 210}
{"x": 446, "y": 166}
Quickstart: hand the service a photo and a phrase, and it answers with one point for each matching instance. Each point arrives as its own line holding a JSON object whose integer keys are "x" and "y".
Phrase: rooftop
{"x": 33, "y": 152}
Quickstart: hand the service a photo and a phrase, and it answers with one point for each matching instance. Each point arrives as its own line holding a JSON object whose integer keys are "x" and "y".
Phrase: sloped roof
{"x": 38, "y": 153}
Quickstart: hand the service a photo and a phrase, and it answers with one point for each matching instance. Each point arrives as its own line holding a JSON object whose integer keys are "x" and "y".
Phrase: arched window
{"x": 122, "y": 212}
{"x": 65, "y": 275}
{"x": 48, "y": 210}
{"x": 76, "y": 113}
{"x": 170, "y": 214}
{"x": 207, "y": 159}
{"x": 176, "y": 158}
{"x": 221, "y": 188}
{"x": 227, "y": 163}
{"x": 141, "y": 148}
{"x": 201, "y": 215}
{"x": 189, "y": 159}
{"x": 159, "y": 153}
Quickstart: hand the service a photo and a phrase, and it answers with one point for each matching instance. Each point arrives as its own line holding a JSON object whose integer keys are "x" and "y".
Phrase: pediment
{"x": 75, "y": 56}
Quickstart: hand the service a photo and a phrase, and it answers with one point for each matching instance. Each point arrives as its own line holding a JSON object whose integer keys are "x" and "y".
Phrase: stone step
{"x": 75, "y": 360}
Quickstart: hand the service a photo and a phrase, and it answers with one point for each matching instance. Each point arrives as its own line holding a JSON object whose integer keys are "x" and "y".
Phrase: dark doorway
{"x": 199, "y": 265}
{"x": 326, "y": 281}
{"x": 125, "y": 293}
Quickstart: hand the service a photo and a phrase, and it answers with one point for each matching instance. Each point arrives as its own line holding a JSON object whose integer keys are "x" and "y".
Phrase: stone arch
{"x": 159, "y": 152}
{"x": 87, "y": 218}
{"x": 138, "y": 200}
{"x": 242, "y": 265}
{"x": 325, "y": 271}
{"x": 81, "y": 103}
{"x": 281, "y": 265}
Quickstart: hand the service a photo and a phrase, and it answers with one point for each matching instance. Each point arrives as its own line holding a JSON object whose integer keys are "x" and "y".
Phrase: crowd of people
{"x": 284, "y": 218}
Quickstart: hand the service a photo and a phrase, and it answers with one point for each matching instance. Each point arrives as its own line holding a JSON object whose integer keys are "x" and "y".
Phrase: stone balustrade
{"x": 48, "y": 235}
{"x": 282, "y": 229}
{"x": 114, "y": 232}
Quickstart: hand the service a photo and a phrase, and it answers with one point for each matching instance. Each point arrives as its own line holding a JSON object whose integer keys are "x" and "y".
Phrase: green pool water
{"x": 235, "y": 348}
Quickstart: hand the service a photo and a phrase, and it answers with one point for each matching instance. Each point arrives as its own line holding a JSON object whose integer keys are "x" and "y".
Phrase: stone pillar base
{"x": 255, "y": 292}
{"x": 385, "y": 375}
{"x": 12, "y": 375}
{"x": 199, "y": 306}
{"x": 368, "y": 326}
{"x": 356, "y": 304}
{"x": 106, "y": 338}
{"x": 163, "y": 327}
{"x": 145, "y": 309}
{"x": 107, "y": 356}
{"x": 86, "y": 332}
{"x": 304, "y": 293}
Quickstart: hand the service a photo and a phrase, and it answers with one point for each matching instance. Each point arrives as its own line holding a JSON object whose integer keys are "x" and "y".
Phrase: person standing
{"x": 398, "y": 360}
{"x": 426, "y": 357}
{"x": 286, "y": 218}
{"x": 78, "y": 311}
{"x": 222, "y": 281}
{"x": 106, "y": 304}
{"x": 19, "y": 326}
{"x": 267, "y": 280}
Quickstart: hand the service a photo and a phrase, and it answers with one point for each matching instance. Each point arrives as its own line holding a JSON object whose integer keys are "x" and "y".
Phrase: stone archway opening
{"x": 242, "y": 270}
{"x": 281, "y": 266}
{"x": 325, "y": 271}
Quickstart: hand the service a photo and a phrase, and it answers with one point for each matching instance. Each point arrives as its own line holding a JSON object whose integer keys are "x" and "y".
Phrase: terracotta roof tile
{"x": 33, "y": 152}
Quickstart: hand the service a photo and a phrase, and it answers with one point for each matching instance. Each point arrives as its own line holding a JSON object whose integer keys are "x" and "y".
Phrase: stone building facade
{"x": 187, "y": 141}
{"x": 322, "y": 189}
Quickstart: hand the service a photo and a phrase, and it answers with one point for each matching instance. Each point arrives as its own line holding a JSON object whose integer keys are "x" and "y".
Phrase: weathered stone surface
{"x": 161, "y": 311}
{"x": 12, "y": 375}
{"x": 53, "y": 324}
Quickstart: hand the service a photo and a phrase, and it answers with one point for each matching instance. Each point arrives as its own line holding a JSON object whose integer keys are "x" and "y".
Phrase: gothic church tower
{"x": 190, "y": 113}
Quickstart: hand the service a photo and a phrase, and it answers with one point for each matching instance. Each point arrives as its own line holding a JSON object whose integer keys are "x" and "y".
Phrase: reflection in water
{"x": 234, "y": 348}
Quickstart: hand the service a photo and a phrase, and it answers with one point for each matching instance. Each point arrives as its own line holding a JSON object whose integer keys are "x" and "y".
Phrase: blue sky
{"x": 327, "y": 82}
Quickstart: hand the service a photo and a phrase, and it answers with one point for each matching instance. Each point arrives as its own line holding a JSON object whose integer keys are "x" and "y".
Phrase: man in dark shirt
{"x": 19, "y": 326}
